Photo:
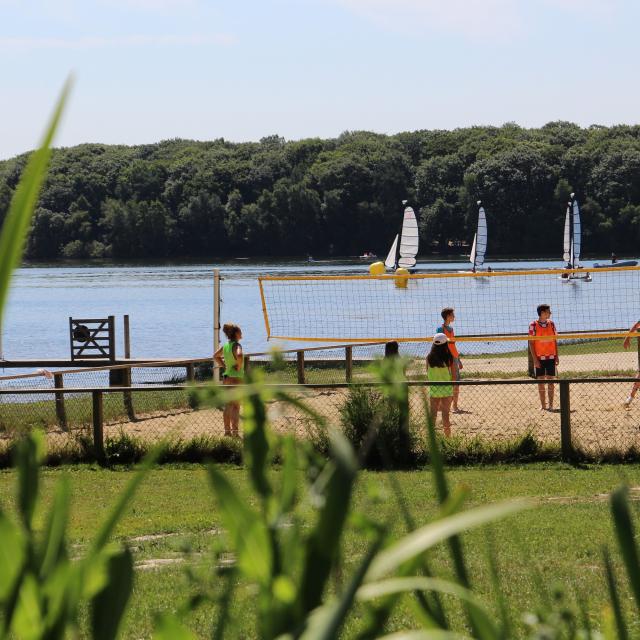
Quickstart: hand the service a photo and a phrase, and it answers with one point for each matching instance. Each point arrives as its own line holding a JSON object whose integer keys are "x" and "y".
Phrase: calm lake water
{"x": 170, "y": 306}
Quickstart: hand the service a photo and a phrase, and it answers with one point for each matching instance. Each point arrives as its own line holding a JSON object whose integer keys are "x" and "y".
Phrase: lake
{"x": 170, "y": 305}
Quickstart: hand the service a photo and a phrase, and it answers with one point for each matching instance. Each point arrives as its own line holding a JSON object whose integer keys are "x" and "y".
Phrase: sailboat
{"x": 404, "y": 248}
{"x": 479, "y": 247}
{"x": 573, "y": 242}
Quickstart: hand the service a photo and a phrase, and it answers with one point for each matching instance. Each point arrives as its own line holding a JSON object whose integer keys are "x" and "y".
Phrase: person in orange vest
{"x": 545, "y": 353}
{"x": 448, "y": 316}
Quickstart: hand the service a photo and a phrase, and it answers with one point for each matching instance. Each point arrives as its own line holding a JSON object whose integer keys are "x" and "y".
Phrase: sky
{"x": 150, "y": 70}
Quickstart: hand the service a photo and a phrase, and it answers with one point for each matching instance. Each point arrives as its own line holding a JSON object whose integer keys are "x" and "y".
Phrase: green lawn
{"x": 563, "y": 535}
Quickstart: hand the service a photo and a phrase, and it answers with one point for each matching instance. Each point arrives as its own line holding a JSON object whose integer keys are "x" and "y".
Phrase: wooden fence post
{"x": 191, "y": 372}
{"x": 98, "y": 422}
{"x": 565, "y": 421}
{"x": 61, "y": 413}
{"x": 247, "y": 363}
{"x": 348, "y": 357}
{"x": 300, "y": 364}
{"x": 127, "y": 395}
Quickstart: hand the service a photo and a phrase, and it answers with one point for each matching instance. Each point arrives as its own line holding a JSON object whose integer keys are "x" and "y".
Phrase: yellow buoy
{"x": 401, "y": 279}
{"x": 376, "y": 269}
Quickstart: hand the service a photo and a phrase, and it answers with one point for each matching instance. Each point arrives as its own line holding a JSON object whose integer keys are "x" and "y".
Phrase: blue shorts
{"x": 455, "y": 369}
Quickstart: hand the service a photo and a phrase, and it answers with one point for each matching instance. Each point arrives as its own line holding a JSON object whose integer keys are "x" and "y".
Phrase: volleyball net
{"x": 492, "y": 308}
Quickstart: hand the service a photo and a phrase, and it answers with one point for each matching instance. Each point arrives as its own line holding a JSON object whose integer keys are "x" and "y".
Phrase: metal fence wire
{"x": 589, "y": 415}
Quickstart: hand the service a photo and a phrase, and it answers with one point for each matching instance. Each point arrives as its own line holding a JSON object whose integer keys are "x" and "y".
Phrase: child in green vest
{"x": 439, "y": 364}
{"x": 230, "y": 359}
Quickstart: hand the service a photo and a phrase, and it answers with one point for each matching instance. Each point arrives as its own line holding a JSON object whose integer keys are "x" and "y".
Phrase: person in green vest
{"x": 230, "y": 359}
{"x": 439, "y": 369}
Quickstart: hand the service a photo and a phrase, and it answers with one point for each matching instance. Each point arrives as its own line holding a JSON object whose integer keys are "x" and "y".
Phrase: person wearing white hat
{"x": 439, "y": 363}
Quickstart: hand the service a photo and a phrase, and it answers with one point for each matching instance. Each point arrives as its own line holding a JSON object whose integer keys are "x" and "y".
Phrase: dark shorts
{"x": 455, "y": 369}
{"x": 546, "y": 368}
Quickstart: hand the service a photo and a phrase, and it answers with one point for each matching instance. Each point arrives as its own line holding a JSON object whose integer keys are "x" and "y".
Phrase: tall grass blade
{"x": 434, "y": 634}
{"x": 626, "y": 539}
{"x": 325, "y": 623}
{"x": 256, "y": 444}
{"x": 487, "y": 629}
{"x": 503, "y": 608}
{"x": 109, "y": 604}
{"x": 422, "y": 539}
{"x": 247, "y": 530}
{"x": 23, "y": 203}
{"x": 54, "y": 548}
{"x": 614, "y": 597}
{"x": 323, "y": 544}
{"x": 106, "y": 530}
{"x": 29, "y": 454}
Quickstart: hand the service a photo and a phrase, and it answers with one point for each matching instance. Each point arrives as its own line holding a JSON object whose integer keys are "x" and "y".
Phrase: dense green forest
{"x": 340, "y": 197}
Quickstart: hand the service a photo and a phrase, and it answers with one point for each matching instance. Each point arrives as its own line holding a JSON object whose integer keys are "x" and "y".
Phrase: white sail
{"x": 480, "y": 240}
{"x": 472, "y": 255}
{"x": 408, "y": 240}
{"x": 577, "y": 234}
{"x": 390, "y": 262}
{"x": 566, "y": 256}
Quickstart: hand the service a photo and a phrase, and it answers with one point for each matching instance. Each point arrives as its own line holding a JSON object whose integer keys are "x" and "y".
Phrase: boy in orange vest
{"x": 544, "y": 352}
{"x": 448, "y": 316}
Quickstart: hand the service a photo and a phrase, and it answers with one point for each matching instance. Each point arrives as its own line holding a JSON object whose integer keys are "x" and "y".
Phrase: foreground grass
{"x": 175, "y": 512}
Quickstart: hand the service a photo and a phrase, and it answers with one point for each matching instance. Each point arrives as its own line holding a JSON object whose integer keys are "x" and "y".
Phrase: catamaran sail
{"x": 390, "y": 262}
{"x": 403, "y": 254}
{"x": 572, "y": 234}
{"x": 479, "y": 247}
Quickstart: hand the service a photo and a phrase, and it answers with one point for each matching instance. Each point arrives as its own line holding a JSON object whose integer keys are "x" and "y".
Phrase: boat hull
{"x": 624, "y": 263}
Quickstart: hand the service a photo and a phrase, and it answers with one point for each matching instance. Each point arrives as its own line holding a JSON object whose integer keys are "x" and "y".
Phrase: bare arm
{"x": 237, "y": 352}
{"x": 219, "y": 360}
{"x": 627, "y": 340}
{"x": 532, "y": 348}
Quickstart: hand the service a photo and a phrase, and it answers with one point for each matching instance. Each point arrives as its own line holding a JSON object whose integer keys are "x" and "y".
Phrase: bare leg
{"x": 433, "y": 405}
{"x": 227, "y": 413}
{"x": 445, "y": 406}
{"x": 226, "y": 416}
{"x": 543, "y": 403}
{"x": 235, "y": 418}
{"x": 550, "y": 390}
{"x": 456, "y": 388}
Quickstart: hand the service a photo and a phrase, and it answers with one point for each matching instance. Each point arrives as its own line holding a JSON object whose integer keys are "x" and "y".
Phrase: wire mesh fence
{"x": 588, "y": 416}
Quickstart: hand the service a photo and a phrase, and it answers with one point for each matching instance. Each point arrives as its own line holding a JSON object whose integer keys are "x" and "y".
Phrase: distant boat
{"x": 368, "y": 255}
{"x": 623, "y": 263}
{"x": 573, "y": 242}
{"x": 479, "y": 248}
{"x": 404, "y": 248}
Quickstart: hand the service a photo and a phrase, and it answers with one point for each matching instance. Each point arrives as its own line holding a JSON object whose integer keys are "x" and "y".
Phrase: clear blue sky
{"x": 148, "y": 70}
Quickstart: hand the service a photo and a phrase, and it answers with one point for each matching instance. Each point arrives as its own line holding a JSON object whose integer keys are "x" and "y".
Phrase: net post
{"x": 638, "y": 343}
{"x": 98, "y": 421}
{"x": 216, "y": 321}
{"x": 300, "y": 366}
{"x": 127, "y": 337}
{"x": 126, "y": 395}
{"x": 348, "y": 357}
{"x": 61, "y": 413}
{"x": 565, "y": 421}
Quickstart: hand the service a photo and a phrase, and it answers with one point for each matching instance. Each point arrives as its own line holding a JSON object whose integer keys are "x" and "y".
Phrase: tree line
{"x": 340, "y": 196}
